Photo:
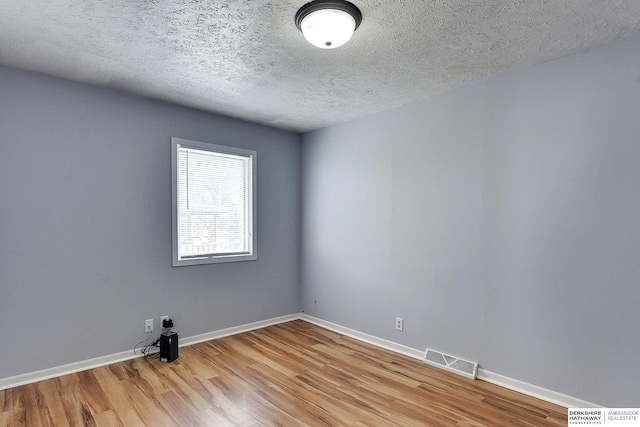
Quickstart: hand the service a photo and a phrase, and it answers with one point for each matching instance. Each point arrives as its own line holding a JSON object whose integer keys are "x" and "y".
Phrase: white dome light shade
{"x": 328, "y": 24}
{"x": 328, "y": 28}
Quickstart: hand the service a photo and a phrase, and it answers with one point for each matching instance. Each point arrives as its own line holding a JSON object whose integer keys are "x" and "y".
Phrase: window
{"x": 213, "y": 190}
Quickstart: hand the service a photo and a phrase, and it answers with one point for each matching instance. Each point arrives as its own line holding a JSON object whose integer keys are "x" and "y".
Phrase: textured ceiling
{"x": 247, "y": 59}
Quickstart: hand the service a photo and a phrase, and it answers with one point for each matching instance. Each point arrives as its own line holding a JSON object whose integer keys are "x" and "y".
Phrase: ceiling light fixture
{"x": 328, "y": 24}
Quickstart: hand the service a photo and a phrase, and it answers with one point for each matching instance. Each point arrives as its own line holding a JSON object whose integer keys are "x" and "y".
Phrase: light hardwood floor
{"x": 292, "y": 374}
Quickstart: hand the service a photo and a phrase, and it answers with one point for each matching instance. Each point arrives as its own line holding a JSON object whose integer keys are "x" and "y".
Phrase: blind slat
{"x": 214, "y": 203}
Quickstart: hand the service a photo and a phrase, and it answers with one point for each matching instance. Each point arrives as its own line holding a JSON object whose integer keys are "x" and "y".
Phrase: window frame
{"x": 212, "y": 259}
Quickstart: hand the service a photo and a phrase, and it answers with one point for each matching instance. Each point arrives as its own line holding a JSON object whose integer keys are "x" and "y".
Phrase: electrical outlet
{"x": 162, "y": 319}
{"x": 148, "y": 325}
{"x": 399, "y": 324}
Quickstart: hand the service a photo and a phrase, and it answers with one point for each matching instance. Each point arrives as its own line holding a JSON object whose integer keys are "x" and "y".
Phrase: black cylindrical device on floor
{"x": 168, "y": 347}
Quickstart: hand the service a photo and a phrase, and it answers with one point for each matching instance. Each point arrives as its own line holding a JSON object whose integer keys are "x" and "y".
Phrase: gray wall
{"x": 85, "y": 224}
{"x": 501, "y": 220}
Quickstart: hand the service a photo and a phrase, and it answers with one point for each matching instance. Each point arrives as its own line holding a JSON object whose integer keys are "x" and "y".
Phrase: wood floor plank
{"x": 292, "y": 374}
{"x": 108, "y": 419}
{"x": 181, "y": 388}
{"x": 199, "y": 362}
{"x": 118, "y": 397}
{"x": 92, "y": 393}
{"x": 233, "y": 410}
{"x": 6, "y": 419}
{"x": 6, "y": 402}
{"x": 77, "y": 410}
{"x": 147, "y": 409}
{"x": 53, "y": 410}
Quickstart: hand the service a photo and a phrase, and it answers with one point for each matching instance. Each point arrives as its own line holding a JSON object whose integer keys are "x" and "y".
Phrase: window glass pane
{"x": 214, "y": 203}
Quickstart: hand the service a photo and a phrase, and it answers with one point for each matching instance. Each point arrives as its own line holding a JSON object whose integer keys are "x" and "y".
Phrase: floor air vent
{"x": 451, "y": 363}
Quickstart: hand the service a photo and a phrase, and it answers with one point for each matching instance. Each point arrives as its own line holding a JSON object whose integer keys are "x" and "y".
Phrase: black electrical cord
{"x": 145, "y": 350}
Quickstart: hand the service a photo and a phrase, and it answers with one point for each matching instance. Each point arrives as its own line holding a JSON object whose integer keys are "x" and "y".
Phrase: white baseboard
{"x": 534, "y": 391}
{"x": 84, "y": 365}
{"x": 361, "y": 336}
{"x": 237, "y": 330}
{"x": 484, "y": 375}
{"x": 59, "y": 371}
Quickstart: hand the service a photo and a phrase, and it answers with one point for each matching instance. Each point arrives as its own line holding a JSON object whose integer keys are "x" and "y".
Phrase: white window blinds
{"x": 214, "y": 202}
